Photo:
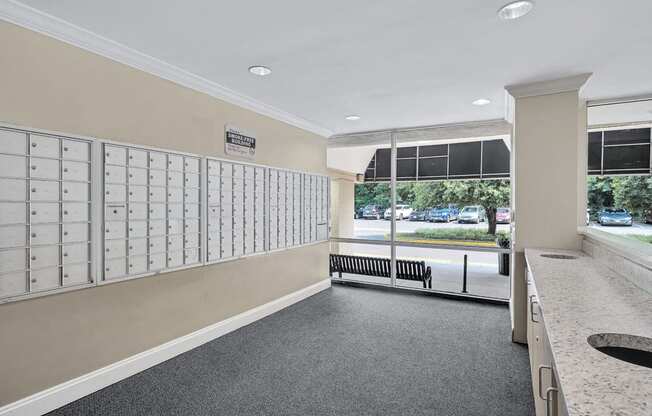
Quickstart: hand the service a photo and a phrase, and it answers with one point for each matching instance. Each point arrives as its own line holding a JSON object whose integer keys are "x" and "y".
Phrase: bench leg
{"x": 340, "y": 274}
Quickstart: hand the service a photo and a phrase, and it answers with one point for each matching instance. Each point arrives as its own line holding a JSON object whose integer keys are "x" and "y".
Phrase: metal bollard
{"x": 464, "y": 275}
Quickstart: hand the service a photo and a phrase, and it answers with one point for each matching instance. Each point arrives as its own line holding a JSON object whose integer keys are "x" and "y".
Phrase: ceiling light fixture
{"x": 260, "y": 70}
{"x": 515, "y": 9}
{"x": 481, "y": 101}
{"x": 352, "y": 117}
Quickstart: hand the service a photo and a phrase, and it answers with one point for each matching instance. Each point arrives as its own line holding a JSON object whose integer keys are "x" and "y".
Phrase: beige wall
{"x": 51, "y": 85}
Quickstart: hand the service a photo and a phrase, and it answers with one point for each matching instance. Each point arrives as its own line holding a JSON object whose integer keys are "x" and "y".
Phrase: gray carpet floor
{"x": 344, "y": 351}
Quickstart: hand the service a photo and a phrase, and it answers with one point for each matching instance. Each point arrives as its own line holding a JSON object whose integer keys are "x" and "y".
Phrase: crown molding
{"x": 554, "y": 86}
{"x": 46, "y": 24}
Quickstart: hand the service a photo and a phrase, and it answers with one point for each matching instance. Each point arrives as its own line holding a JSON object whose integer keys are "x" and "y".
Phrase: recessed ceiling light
{"x": 260, "y": 70}
{"x": 352, "y": 117}
{"x": 515, "y": 9}
{"x": 481, "y": 102}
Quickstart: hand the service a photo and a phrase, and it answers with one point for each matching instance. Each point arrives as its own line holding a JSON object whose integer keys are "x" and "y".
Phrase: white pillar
{"x": 342, "y": 207}
{"x": 548, "y": 176}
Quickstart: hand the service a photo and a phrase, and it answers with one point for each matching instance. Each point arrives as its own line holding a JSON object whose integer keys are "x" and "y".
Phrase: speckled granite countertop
{"x": 579, "y": 298}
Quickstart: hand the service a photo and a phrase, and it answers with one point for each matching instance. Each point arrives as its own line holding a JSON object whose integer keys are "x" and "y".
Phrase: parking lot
{"x": 636, "y": 228}
{"x": 379, "y": 229}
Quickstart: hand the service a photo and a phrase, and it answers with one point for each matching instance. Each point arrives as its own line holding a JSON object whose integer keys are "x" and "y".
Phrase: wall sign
{"x": 239, "y": 143}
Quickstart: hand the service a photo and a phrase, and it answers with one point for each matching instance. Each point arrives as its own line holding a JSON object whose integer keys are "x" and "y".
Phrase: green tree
{"x": 491, "y": 194}
{"x": 633, "y": 193}
{"x": 600, "y": 193}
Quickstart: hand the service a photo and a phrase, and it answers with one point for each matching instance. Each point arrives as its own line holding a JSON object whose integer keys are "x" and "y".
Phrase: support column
{"x": 342, "y": 206}
{"x": 547, "y": 177}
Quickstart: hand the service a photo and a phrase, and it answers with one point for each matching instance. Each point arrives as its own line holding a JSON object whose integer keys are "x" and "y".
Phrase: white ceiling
{"x": 396, "y": 64}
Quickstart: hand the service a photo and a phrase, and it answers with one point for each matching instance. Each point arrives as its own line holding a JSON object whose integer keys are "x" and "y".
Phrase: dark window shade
{"x": 595, "y": 150}
{"x": 464, "y": 159}
{"x": 383, "y": 163}
{"x": 406, "y": 152}
{"x": 626, "y": 157}
{"x": 627, "y": 136}
{"x": 369, "y": 175}
{"x": 432, "y": 167}
{"x": 372, "y": 162}
{"x": 406, "y": 168}
{"x": 434, "y": 150}
{"x": 495, "y": 157}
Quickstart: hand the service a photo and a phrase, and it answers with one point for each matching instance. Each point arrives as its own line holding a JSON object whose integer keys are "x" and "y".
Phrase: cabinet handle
{"x": 33, "y": 257}
{"x": 65, "y": 170}
{"x": 532, "y": 314}
{"x": 66, "y": 232}
{"x": 65, "y": 212}
{"x": 33, "y": 280}
{"x": 33, "y": 167}
{"x": 33, "y": 144}
{"x": 108, "y": 250}
{"x": 33, "y": 212}
{"x": 549, "y": 399}
{"x": 65, "y": 149}
{"x": 65, "y": 254}
{"x": 33, "y": 189}
{"x": 65, "y": 191}
{"x": 540, "y": 372}
{"x": 65, "y": 275}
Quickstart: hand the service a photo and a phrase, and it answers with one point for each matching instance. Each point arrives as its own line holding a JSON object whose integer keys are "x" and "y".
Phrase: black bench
{"x": 380, "y": 267}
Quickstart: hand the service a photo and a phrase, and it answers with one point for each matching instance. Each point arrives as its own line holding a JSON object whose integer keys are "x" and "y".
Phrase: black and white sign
{"x": 239, "y": 143}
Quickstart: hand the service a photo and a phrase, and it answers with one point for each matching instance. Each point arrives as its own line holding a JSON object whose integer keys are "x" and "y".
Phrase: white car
{"x": 402, "y": 212}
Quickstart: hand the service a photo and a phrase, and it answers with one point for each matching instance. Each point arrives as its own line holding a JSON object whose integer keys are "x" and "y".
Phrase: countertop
{"x": 579, "y": 298}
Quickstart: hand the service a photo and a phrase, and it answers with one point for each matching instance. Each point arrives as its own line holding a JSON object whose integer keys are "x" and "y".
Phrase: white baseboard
{"x": 69, "y": 391}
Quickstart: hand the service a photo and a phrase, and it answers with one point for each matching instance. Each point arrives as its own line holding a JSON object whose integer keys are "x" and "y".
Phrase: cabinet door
{"x": 213, "y": 215}
{"x": 138, "y": 158}
{"x": 191, "y": 164}
{"x": 175, "y": 259}
{"x": 75, "y": 253}
{"x": 157, "y": 160}
{"x": 191, "y": 240}
{"x": 76, "y": 171}
{"x": 175, "y": 243}
{"x": 44, "y": 212}
{"x": 115, "y": 212}
{"x": 137, "y": 247}
{"x": 115, "y": 155}
{"x": 157, "y": 178}
{"x": 175, "y": 162}
{"x": 115, "y": 268}
{"x": 12, "y": 284}
{"x": 157, "y": 261}
{"x": 115, "y": 249}
{"x": 76, "y": 211}
{"x": 13, "y": 142}
{"x": 157, "y": 244}
{"x": 157, "y": 194}
{"x": 73, "y": 233}
{"x": 45, "y": 234}
{"x": 115, "y": 174}
{"x": 214, "y": 182}
{"x": 192, "y": 180}
{"x": 113, "y": 230}
{"x": 13, "y": 212}
{"x": 191, "y": 196}
{"x": 44, "y": 190}
{"x": 213, "y": 168}
{"x": 76, "y": 150}
{"x": 213, "y": 197}
{"x": 13, "y": 236}
{"x": 13, "y": 260}
{"x": 13, "y": 189}
{"x": 115, "y": 193}
{"x": 44, "y": 146}
{"x": 175, "y": 226}
{"x": 175, "y": 211}
{"x": 213, "y": 246}
{"x": 137, "y": 176}
{"x": 16, "y": 166}
{"x": 175, "y": 195}
{"x": 157, "y": 228}
{"x": 42, "y": 168}
{"x": 157, "y": 211}
{"x": 192, "y": 226}
{"x": 44, "y": 256}
{"x": 137, "y": 229}
{"x": 191, "y": 211}
{"x": 76, "y": 191}
{"x": 191, "y": 256}
{"x": 137, "y": 264}
{"x": 137, "y": 211}
{"x": 45, "y": 279}
{"x": 138, "y": 194}
{"x": 76, "y": 274}
{"x": 175, "y": 179}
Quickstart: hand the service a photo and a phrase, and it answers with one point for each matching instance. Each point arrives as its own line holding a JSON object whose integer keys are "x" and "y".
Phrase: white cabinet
{"x": 115, "y": 155}
{"x": 115, "y": 174}
{"x": 45, "y": 182}
{"x": 115, "y": 249}
{"x": 137, "y": 176}
{"x": 138, "y": 158}
{"x": 115, "y": 268}
{"x": 75, "y": 274}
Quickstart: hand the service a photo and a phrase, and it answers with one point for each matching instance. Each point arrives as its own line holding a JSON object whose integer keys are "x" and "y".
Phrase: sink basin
{"x": 630, "y": 348}
{"x": 559, "y": 256}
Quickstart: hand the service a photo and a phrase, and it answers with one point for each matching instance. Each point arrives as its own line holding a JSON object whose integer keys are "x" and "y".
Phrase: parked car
{"x": 615, "y": 216}
{"x": 472, "y": 214}
{"x": 372, "y": 212}
{"x": 444, "y": 214}
{"x": 588, "y": 216}
{"x": 402, "y": 211}
{"x": 358, "y": 213}
{"x": 648, "y": 216}
{"x": 418, "y": 216}
{"x": 503, "y": 216}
